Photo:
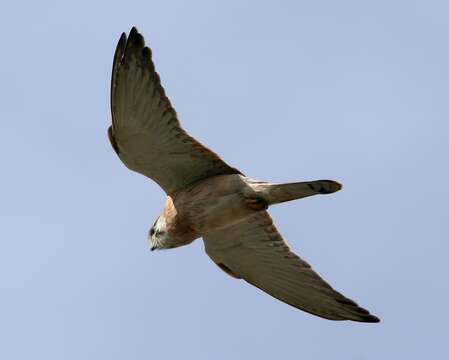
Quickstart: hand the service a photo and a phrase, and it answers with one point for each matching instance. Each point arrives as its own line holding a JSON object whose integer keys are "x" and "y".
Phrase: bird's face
{"x": 158, "y": 236}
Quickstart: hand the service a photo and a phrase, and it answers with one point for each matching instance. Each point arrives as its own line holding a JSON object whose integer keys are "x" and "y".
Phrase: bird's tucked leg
{"x": 256, "y": 203}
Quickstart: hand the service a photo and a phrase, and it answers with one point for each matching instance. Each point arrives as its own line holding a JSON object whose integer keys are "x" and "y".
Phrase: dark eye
{"x": 151, "y": 231}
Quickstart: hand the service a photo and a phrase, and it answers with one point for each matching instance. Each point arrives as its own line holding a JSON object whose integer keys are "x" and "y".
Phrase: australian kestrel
{"x": 208, "y": 198}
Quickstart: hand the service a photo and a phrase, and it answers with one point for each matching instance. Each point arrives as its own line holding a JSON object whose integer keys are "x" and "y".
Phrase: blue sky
{"x": 287, "y": 91}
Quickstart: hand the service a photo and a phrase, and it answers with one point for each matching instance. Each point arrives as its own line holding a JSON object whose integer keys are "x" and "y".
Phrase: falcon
{"x": 210, "y": 199}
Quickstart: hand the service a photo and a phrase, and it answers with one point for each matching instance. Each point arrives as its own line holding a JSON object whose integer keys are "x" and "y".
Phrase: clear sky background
{"x": 354, "y": 91}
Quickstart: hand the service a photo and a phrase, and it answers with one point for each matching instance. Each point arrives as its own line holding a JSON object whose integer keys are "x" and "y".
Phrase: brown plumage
{"x": 208, "y": 198}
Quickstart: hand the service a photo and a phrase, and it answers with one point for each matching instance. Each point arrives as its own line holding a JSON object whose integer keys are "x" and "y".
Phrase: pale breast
{"x": 211, "y": 204}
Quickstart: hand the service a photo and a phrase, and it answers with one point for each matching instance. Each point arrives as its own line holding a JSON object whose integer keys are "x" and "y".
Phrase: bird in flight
{"x": 208, "y": 198}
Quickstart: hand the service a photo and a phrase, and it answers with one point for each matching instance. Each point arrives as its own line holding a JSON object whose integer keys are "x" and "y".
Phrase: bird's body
{"x": 207, "y": 206}
{"x": 208, "y": 198}
{"x": 224, "y": 200}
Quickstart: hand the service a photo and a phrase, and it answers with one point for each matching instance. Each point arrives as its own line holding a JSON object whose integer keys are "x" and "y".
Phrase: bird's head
{"x": 158, "y": 236}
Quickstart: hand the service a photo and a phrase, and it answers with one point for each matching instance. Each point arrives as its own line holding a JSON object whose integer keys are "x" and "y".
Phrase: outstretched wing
{"x": 255, "y": 251}
{"x": 145, "y": 130}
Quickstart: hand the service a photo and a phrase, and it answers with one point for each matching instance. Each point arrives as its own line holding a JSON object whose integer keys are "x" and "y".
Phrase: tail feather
{"x": 278, "y": 193}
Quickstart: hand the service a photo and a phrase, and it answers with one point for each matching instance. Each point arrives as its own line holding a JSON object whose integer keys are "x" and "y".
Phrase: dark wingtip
{"x": 119, "y": 49}
{"x": 122, "y": 43}
{"x": 136, "y": 38}
{"x": 146, "y": 53}
{"x": 371, "y": 319}
{"x": 363, "y": 314}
